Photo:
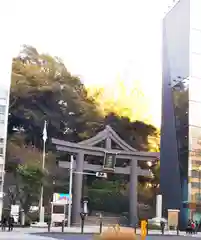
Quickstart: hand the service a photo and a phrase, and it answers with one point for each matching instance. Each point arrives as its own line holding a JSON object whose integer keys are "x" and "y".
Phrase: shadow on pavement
{"x": 65, "y": 236}
{"x": 70, "y": 236}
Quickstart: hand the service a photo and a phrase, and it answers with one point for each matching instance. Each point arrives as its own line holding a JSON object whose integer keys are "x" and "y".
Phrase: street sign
{"x": 61, "y": 198}
{"x": 109, "y": 162}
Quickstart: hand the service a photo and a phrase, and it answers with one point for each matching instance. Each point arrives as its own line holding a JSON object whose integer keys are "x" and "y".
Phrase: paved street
{"x": 89, "y": 237}
{"x": 68, "y": 236}
{"x": 59, "y": 236}
{"x": 20, "y": 236}
{"x": 42, "y": 234}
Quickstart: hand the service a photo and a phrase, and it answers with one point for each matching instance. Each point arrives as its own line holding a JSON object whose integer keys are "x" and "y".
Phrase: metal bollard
{"x": 48, "y": 226}
{"x": 162, "y": 227}
{"x": 162, "y": 230}
{"x": 62, "y": 226}
{"x": 101, "y": 223}
{"x": 135, "y": 229}
{"x": 82, "y": 226}
{"x": 177, "y": 230}
{"x": 82, "y": 215}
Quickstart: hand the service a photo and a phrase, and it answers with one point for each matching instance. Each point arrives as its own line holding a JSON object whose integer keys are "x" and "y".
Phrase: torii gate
{"x": 125, "y": 152}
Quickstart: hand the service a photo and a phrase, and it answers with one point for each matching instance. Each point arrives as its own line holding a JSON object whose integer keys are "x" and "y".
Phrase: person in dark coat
{"x": 10, "y": 223}
{"x": 3, "y": 223}
{"x": 162, "y": 223}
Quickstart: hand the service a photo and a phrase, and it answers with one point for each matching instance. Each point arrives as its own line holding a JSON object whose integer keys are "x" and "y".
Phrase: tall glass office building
{"x": 4, "y": 103}
{"x": 181, "y": 110}
{"x": 5, "y": 82}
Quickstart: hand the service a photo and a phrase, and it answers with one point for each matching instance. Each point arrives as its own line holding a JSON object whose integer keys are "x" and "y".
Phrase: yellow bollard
{"x": 143, "y": 229}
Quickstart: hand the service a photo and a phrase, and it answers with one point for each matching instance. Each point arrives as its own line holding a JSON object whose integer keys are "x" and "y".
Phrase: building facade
{"x": 5, "y": 82}
{"x": 4, "y": 103}
{"x": 181, "y": 110}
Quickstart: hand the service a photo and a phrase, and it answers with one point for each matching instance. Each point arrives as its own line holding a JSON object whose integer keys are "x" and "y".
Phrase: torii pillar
{"x": 133, "y": 203}
{"x": 77, "y": 188}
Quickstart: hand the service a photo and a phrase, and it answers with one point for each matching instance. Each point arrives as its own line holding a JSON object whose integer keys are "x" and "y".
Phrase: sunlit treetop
{"x": 126, "y": 101}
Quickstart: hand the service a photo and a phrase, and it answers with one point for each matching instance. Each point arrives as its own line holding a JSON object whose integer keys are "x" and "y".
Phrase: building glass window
{"x": 194, "y": 89}
{"x": 2, "y": 109}
{"x": 1, "y": 151}
{"x": 195, "y": 174}
{"x": 2, "y": 113}
{"x": 196, "y": 162}
{"x": 195, "y": 65}
{"x": 197, "y": 197}
{"x": 196, "y": 185}
{"x": 195, "y": 147}
{"x": 180, "y": 94}
{"x": 195, "y": 114}
{"x": 1, "y": 168}
{"x": 195, "y": 41}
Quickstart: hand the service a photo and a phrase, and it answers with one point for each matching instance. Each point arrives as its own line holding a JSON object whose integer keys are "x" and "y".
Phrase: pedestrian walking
{"x": 162, "y": 223}
{"x": 10, "y": 223}
{"x": 3, "y": 223}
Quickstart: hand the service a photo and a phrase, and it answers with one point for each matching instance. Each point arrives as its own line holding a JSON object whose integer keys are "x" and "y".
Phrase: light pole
{"x": 41, "y": 208}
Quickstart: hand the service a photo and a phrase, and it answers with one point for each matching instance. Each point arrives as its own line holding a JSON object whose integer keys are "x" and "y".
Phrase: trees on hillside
{"x": 24, "y": 163}
{"x": 125, "y": 99}
{"x": 43, "y": 89}
{"x": 134, "y": 133}
{"x": 29, "y": 180}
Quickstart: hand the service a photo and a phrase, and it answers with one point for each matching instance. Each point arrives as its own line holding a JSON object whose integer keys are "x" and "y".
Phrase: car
{"x": 157, "y": 221}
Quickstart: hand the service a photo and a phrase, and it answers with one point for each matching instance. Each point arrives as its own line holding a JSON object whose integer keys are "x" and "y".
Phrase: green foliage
{"x": 156, "y": 173}
{"x": 41, "y": 86}
{"x": 134, "y": 133}
{"x": 43, "y": 89}
{"x": 28, "y": 185}
{"x": 103, "y": 194}
{"x": 104, "y": 184}
{"x": 108, "y": 201}
{"x": 30, "y": 177}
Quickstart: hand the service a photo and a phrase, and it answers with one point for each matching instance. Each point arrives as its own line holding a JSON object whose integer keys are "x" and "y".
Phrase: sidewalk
{"x": 91, "y": 230}
{"x": 26, "y": 233}
{"x": 21, "y": 236}
{"x": 87, "y": 229}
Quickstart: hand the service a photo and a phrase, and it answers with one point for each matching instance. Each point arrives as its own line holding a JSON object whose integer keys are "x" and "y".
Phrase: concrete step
{"x": 94, "y": 220}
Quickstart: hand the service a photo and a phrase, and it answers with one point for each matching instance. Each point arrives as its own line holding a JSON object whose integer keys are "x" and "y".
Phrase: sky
{"x": 99, "y": 40}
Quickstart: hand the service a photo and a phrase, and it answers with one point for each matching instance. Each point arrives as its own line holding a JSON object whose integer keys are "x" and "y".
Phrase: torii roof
{"x": 108, "y": 132}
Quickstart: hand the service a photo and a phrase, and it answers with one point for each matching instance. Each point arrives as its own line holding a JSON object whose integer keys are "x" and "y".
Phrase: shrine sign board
{"x": 109, "y": 162}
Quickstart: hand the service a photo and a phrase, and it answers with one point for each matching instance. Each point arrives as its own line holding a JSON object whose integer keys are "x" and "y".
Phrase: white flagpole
{"x": 70, "y": 191}
{"x": 41, "y": 208}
